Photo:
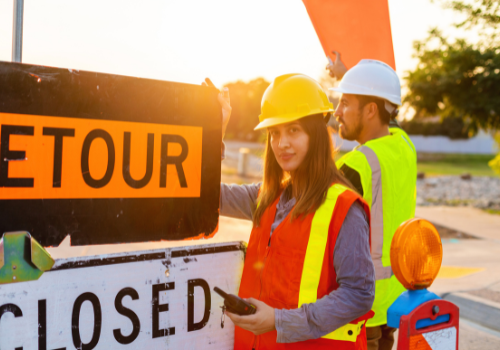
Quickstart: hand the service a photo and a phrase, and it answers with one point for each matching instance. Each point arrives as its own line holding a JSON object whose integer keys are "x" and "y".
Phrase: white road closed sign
{"x": 158, "y": 299}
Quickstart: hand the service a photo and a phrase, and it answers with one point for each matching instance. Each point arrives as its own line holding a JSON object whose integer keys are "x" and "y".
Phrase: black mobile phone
{"x": 235, "y": 304}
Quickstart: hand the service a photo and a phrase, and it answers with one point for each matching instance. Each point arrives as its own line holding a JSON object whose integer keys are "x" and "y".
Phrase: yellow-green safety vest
{"x": 387, "y": 167}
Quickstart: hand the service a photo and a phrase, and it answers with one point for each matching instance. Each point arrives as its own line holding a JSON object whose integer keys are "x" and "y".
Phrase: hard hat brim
{"x": 391, "y": 99}
{"x": 269, "y": 122}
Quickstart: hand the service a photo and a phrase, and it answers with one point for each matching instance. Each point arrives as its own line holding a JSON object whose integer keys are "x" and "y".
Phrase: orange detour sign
{"x": 105, "y": 158}
{"x": 97, "y": 158}
{"x": 357, "y": 29}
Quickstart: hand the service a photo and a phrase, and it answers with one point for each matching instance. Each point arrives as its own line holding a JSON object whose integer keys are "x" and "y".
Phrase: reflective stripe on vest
{"x": 313, "y": 262}
{"x": 377, "y": 215}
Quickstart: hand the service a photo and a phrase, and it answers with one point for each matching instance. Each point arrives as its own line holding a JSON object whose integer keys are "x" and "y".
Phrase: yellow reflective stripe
{"x": 313, "y": 262}
{"x": 349, "y": 332}
{"x": 316, "y": 246}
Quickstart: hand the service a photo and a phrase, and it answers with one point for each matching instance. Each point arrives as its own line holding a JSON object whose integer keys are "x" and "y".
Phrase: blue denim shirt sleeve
{"x": 239, "y": 201}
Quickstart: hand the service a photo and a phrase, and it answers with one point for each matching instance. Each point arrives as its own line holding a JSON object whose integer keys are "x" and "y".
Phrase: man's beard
{"x": 352, "y": 133}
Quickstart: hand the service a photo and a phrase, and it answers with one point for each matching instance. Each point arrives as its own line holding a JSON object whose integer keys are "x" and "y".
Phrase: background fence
{"x": 483, "y": 143}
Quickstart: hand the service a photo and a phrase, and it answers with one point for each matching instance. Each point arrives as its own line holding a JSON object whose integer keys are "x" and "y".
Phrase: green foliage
{"x": 457, "y": 79}
{"x": 245, "y": 102}
{"x": 483, "y": 14}
{"x": 452, "y": 127}
{"x": 492, "y": 211}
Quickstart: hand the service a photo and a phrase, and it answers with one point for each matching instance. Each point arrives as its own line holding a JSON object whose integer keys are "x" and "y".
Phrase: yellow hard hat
{"x": 291, "y": 97}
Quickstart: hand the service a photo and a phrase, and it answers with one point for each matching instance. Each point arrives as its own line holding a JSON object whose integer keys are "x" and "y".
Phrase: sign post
{"x": 17, "y": 31}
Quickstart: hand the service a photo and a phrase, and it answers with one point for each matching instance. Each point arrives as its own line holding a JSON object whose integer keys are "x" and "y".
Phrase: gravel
{"x": 480, "y": 192}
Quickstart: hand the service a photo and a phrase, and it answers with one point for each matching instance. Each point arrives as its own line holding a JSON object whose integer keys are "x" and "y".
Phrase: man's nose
{"x": 338, "y": 112}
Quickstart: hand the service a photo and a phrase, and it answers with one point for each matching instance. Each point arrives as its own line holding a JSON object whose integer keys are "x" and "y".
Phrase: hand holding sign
{"x": 358, "y": 29}
{"x": 336, "y": 69}
{"x": 225, "y": 103}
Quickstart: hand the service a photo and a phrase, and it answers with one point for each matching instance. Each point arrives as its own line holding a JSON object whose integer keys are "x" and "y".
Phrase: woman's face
{"x": 290, "y": 143}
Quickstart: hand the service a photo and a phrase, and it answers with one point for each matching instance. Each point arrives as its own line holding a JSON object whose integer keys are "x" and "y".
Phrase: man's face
{"x": 349, "y": 117}
{"x": 290, "y": 144}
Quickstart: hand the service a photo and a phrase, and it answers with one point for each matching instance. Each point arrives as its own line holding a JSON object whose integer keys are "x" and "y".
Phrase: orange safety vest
{"x": 297, "y": 268}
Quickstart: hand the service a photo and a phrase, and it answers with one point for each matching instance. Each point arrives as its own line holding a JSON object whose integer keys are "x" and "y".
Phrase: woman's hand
{"x": 260, "y": 322}
{"x": 225, "y": 103}
{"x": 336, "y": 69}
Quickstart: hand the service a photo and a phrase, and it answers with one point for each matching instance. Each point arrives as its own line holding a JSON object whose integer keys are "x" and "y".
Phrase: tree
{"x": 457, "y": 79}
{"x": 245, "y": 102}
{"x": 481, "y": 14}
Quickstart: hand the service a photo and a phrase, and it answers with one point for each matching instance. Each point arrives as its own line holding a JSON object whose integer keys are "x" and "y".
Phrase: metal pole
{"x": 17, "y": 31}
{"x": 243, "y": 159}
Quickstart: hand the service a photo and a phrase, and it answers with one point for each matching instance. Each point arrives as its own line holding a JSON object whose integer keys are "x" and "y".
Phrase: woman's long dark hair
{"x": 311, "y": 180}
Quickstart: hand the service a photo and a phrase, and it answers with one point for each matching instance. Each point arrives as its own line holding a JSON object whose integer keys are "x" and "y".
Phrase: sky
{"x": 188, "y": 40}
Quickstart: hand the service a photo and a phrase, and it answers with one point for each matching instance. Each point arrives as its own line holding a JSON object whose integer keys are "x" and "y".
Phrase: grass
{"x": 439, "y": 164}
{"x": 435, "y": 164}
{"x": 492, "y": 211}
{"x": 454, "y": 164}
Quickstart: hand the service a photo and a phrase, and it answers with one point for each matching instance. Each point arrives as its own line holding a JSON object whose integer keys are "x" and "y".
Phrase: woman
{"x": 307, "y": 269}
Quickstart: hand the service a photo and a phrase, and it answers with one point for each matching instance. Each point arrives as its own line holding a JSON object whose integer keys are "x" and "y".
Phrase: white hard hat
{"x": 372, "y": 78}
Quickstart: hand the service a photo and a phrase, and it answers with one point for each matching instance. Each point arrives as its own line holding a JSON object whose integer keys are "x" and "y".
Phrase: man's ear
{"x": 371, "y": 110}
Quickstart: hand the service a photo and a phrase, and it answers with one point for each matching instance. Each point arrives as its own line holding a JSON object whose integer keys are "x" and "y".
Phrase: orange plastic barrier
{"x": 357, "y": 29}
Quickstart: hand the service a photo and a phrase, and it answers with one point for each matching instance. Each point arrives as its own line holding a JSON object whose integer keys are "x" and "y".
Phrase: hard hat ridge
{"x": 291, "y": 97}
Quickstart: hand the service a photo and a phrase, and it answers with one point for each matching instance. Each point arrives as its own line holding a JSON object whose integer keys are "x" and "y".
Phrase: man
{"x": 383, "y": 170}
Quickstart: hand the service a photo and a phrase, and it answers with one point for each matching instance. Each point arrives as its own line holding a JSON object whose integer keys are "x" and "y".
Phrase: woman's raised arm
{"x": 237, "y": 201}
